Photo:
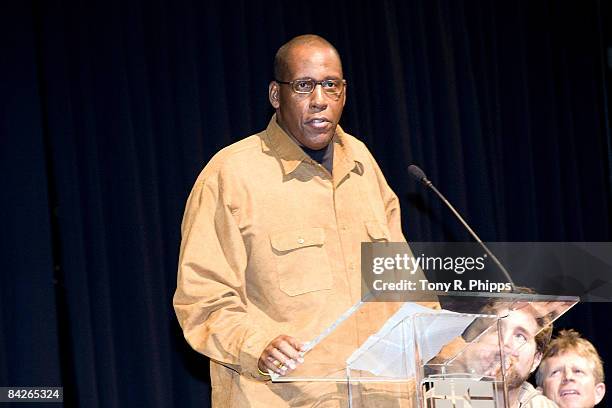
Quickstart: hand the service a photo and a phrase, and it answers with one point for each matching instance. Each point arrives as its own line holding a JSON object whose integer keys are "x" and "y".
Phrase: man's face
{"x": 569, "y": 381}
{"x": 518, "y": 332}
{"x": 310, "y": 118}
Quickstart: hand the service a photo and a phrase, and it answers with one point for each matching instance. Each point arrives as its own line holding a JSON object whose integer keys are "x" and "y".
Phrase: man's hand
{"x": 281, "y": 355}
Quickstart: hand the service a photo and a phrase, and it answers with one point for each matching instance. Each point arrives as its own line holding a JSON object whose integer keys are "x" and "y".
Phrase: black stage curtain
{"x": 109, "y": 109}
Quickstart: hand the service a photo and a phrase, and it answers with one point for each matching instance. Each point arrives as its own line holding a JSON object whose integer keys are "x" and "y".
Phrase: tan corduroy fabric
{"x": 271, "y": 245}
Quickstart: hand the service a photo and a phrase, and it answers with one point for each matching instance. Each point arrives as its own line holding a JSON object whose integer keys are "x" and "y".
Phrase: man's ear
{"x": 273, "y": 94}
{"x": 536, "y": 362}
{"x": 600, "y": 391}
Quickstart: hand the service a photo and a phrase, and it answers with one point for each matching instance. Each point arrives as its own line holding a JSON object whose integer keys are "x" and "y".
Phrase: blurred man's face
{"x": 310, "y": 118}
{"x": 519, "y": 329}
{"x": 569, "y": 381}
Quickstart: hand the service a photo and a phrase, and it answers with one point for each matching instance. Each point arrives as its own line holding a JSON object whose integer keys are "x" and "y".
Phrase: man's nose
{"x": 509, "y": 349}
{"x": 568, "y": 375}
{"x": 510, "y": 345}
{"x": 318, "y": 99}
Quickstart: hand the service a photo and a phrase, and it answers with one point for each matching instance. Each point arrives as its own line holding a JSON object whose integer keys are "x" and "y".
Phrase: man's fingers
{"x": 290, "y": 351}
{"x": 296, "y": 344}
{"x": 276, "y": 366}
{"x": 276, "y": 362}
{"x": 283, "y": 358}
{"x": 282, "y": 355}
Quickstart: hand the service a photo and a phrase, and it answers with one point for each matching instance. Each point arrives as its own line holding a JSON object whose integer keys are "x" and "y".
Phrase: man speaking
{"x": 271, "y": 235}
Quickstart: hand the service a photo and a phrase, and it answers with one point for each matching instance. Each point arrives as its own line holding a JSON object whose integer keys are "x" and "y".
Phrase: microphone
{"x": 416, "y": 172}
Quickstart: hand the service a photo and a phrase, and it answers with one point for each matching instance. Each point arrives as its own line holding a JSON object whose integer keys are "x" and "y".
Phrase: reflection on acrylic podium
{"x": 405, "y": 354}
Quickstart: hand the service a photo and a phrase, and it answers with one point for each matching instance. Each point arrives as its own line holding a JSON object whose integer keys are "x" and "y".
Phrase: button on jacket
{"x": 271, "y": 245}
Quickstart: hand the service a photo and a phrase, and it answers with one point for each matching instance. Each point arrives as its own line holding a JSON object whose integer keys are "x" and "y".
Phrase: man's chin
{"x": 575, "y": 401}
{"x": 317, "y": 141}
{"x": 514, "y": 380}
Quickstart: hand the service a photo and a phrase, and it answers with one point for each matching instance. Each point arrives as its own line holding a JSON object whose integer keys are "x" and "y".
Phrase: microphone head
{"x": 416, "y": 172}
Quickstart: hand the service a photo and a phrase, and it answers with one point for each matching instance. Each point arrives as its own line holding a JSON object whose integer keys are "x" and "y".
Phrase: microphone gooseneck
{"x": 416, "y": 172}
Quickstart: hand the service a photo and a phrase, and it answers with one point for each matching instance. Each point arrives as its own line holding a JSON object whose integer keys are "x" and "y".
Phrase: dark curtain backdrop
{"x": 109, "y": 109}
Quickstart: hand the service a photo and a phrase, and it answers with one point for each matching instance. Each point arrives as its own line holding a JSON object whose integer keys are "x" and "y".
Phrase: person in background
{"x": 525, "y": 333}
{"x": 571, "y": 373}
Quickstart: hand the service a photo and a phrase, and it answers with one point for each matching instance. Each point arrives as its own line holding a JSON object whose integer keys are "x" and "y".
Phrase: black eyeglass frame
{"x": 337, "y": 94}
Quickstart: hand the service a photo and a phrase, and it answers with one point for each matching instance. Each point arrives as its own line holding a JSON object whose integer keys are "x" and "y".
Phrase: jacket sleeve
{"x": 210, "y": 299}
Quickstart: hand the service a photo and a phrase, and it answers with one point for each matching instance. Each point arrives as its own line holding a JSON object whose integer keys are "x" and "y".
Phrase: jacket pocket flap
{"x": 377, "y": 230}
{"x": 300, "y": 238}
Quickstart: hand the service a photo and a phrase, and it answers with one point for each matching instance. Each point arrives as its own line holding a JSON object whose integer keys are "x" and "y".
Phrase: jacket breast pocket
{"x": 377, "y": 231}
{"x": 301, "y": 261}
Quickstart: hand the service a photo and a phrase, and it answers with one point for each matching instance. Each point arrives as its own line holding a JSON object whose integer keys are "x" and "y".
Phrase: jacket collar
{"x": 291, "y": 155}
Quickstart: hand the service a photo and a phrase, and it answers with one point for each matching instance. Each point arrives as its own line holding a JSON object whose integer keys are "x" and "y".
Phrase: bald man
{"x": 271, "y": 237}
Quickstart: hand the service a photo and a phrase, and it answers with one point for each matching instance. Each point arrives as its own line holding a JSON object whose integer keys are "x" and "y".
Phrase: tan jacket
{"x": 270, "y": 246}
{"x": 530, "y": 397}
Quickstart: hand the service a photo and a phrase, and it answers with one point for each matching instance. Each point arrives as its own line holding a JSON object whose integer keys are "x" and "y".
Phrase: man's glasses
{"x": 332, "y": 87}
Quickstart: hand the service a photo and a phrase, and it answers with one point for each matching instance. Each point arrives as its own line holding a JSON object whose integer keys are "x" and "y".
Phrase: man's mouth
{"x": 319, "y": 123}
{"x": 494, "y": 369}
{"x": 565, "y": 393}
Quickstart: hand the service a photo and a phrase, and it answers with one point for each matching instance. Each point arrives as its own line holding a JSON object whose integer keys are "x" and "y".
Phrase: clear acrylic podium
{"x": 404, "y": 354}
